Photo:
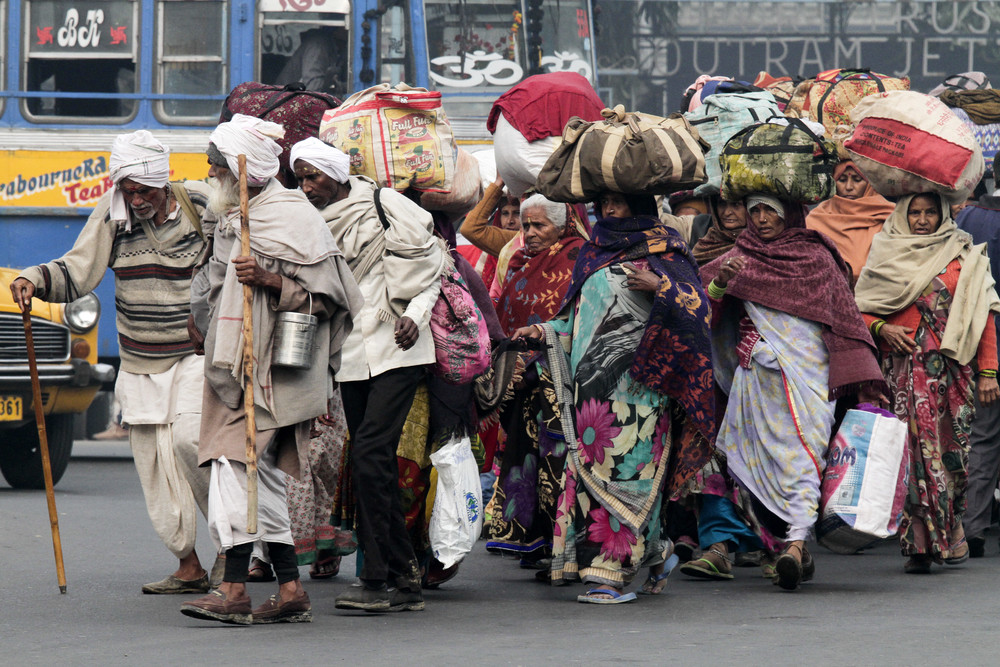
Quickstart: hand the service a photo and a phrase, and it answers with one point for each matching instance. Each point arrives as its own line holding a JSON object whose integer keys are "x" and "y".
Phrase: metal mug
{"x": 294, "y": 334}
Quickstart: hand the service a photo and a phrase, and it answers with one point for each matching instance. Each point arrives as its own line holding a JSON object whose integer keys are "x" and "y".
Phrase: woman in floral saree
{"x": 788, "y": 341}
{"x": 928, "y": 296}
{"x": 631, "y": 369}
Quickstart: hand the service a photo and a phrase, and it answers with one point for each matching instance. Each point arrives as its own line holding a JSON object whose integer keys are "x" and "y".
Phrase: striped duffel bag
{"x": 627, "y": 152}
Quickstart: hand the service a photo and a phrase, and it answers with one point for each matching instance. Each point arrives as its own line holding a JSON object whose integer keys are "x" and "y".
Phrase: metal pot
{"x": 294, "y": 334}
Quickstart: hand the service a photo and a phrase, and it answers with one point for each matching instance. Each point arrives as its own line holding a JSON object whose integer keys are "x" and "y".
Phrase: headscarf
{"x": 674, "y": 356}
{"x": 534, "y": 285}
{"x": 801, "y": 273}
{"x": 901, "y": 265}
{"x": 851, "y": 223}
{"x": 717, "y": 241}
{"x": 138, "y": 156}
{"x": 332, "y": 161}
{"x": 771, "y": 202}
{"x": 255, "y": 138}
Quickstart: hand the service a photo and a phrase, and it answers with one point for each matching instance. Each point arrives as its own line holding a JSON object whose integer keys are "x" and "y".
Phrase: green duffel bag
{"x": 632, "y": 153}
{"x": 788, "y": 161}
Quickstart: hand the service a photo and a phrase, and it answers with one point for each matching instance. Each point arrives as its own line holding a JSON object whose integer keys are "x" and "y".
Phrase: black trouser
{"x": 283, "y": 560}
{"x": 376, "y": 410}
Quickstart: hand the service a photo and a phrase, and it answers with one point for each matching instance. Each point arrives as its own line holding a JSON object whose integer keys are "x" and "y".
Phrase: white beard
{"x": 225, "y": 195}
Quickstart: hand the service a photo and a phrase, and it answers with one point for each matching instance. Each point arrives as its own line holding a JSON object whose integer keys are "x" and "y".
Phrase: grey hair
{"x": 554, "y": 211}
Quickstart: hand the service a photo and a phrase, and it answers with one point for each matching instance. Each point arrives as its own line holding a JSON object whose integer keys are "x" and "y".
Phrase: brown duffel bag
{"x": 632, "y": 153}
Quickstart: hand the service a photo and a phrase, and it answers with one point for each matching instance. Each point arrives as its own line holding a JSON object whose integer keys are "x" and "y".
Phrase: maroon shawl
{"x": 535, "y": 285}
{"x": 801, "y": 273}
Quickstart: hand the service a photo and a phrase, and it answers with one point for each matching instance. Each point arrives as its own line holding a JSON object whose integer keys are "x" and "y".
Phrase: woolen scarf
{"x": 716, "y": 242}
{"x": 901, "y": 265}
{"x": 674, "y": 356}
{"x": 851, "y": 223}
{"x": 801, "y": 273}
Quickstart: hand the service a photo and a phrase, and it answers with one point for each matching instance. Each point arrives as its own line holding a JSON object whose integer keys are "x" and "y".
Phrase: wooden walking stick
{"x": 251, "y": 422}
{"x": 43, "y": 442}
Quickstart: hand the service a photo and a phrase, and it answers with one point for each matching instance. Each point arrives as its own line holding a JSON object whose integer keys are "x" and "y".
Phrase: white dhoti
{"x": 227, "y": 502}
{"x": 163, "y": 412}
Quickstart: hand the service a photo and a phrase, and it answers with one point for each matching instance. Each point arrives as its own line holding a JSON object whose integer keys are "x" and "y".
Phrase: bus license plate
{"x": 10, "y": 408}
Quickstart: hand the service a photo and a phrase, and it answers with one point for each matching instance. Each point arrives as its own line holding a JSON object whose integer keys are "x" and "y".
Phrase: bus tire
{"x": 21, "y": 458}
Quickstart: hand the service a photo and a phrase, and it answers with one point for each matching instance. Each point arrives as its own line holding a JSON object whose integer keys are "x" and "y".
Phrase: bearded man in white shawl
{"x": 398, "y": 262}
{"x": 294, "y": 266}
{"x": 153, "y": 244}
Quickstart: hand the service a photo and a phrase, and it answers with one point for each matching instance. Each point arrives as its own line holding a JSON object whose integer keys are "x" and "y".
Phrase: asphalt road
{"x": 859, "y": 609}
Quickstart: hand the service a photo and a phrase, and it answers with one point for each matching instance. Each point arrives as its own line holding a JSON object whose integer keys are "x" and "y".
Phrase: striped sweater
{"x": 153, "y": 268}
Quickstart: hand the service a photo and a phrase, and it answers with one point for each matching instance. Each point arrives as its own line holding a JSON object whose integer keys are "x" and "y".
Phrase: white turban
{"x": 140, "y": 157}
{"x": 332, "y": 161}
{"x": 255, "y": 138}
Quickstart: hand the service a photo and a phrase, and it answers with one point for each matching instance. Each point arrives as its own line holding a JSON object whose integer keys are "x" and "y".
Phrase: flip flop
{"x": 958, "y": 560}
{"x": 327, "y": 568}
{"x": 703, "y": 568}
{"x": 616, "y": 597}
{"x": 652, "y": 584}
{"x": 260, "y": 571}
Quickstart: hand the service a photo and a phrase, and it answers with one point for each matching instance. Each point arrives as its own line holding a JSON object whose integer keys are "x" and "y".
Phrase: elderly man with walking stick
{"x": 149, "y": 232}
{"x": 293, "y": 266}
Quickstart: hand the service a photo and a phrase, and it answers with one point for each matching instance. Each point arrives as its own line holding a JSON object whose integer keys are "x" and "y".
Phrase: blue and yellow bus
{"x": 75, "y": 73}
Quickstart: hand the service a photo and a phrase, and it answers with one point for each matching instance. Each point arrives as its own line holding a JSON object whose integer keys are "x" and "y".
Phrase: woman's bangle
{"x": 715, "y": 292}
{"x": 987, "y": 373}
{"x": 538, "y": 328}
{"x": 876, "y": 326}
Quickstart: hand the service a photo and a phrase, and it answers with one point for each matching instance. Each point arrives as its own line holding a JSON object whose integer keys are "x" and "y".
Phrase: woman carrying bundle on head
{"x": 788, "y": 341}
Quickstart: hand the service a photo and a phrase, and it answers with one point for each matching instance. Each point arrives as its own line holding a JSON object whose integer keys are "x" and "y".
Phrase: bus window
{"x": 190, "y": 55}
{"x": 478, "y": 49}
{"x": 394, "y": 52}
{"x": 310, "y": 47}
{"x": 74, "y": 48}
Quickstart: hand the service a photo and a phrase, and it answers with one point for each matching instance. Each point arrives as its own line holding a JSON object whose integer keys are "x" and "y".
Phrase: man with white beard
{"x": 294, "y": 266}
{"x": 153, "y": 244}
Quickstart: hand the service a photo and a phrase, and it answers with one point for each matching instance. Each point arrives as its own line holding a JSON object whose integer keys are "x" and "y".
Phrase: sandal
{"x": 325, "y": 568}
{"x": 767, "y": 566}
{"x": 260, "y": 571}
{"x": 655, "y": 583}
{"x": 788, "y": 567}
{"x": 597, "y": 596}
{"x": 713, "y": 565}
{"x": 961, "y": 549}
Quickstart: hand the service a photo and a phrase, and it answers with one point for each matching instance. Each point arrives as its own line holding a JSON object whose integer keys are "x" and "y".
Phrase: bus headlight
{"x": 82, "y": 315}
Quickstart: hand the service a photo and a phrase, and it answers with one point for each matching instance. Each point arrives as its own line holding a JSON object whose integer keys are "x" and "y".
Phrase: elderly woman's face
{"x": 767, "y": 221}
{"x": 732, "y": 215}
{"x": 923, "y": 215}
{"x": 539, "y": 231}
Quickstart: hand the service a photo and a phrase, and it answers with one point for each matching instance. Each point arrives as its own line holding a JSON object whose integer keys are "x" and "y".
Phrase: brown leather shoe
{"x": 217, "y": 607}
{"x": 274, "y": 610}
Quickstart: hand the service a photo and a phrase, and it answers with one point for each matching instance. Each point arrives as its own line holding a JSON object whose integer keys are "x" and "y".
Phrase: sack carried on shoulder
{"x": 865, "y": 481}
{"x": 633, "y": 153}
{"x": 719, "y": 117}
{"x": 398, "y": 137}
{"x": 787, "y": 160}
{"x": 461, "y": 338}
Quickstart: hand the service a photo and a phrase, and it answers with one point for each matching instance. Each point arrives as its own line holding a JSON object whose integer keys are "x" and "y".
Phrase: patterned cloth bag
{"x": 461, "y": 339}
{"x": 633, "y": 153}
{"x": 836, "y": 92}
{"x": 783, "y": 158}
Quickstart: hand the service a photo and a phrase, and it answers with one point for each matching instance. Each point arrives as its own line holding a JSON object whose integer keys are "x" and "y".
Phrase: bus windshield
{"x": 479, "y": 48}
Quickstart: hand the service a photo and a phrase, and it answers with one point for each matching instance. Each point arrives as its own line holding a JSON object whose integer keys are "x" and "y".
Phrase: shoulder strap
{"x": 380, "y": 210}
{"x": 181, "y": 195}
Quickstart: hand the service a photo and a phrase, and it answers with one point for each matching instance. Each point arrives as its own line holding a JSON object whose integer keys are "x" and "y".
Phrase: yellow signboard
{"x": 72, "y": 178}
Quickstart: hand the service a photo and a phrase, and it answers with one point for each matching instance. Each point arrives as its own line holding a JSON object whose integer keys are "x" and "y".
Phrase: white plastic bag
{"x": 457, "y": 516}
{"x": 518, "y": 160}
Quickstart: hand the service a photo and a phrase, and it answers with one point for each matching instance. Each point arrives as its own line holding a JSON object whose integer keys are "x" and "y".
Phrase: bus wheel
{"x": 21, "y": 457}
